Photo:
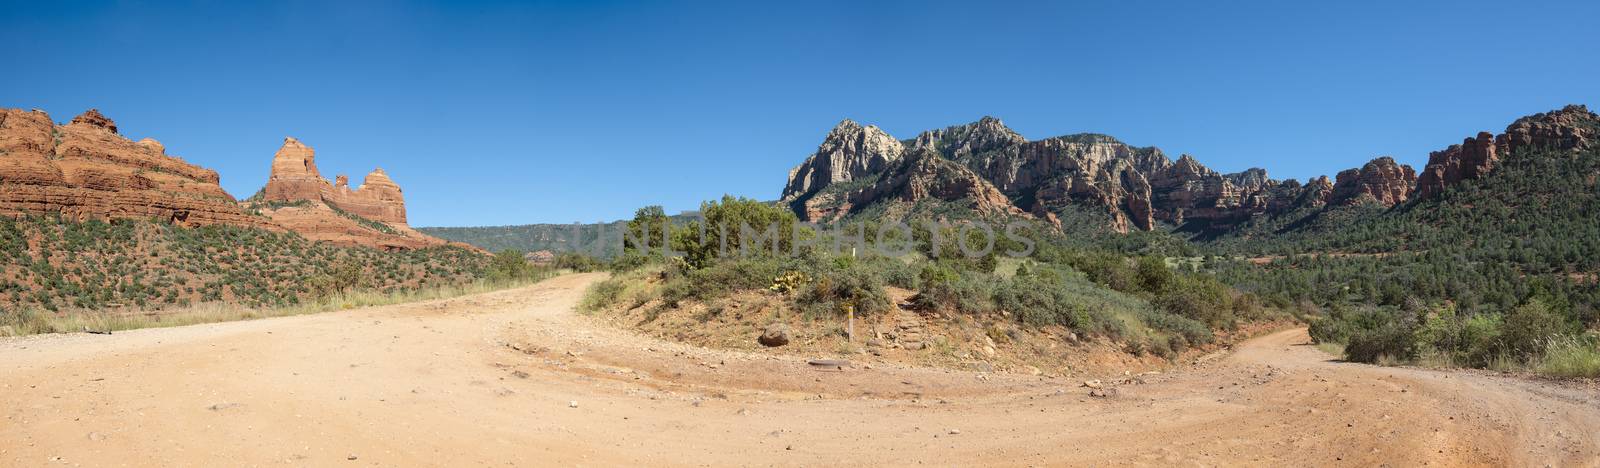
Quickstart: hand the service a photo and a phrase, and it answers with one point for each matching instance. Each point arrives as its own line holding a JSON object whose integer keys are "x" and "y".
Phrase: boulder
{"x": 774, "y": 335}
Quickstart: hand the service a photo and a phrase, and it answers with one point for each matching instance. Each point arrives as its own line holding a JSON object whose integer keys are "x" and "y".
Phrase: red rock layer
{"x": 85, "y": 170}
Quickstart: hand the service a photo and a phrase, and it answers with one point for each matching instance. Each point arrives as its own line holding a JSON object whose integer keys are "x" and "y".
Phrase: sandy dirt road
{"x": 515, "y": 378}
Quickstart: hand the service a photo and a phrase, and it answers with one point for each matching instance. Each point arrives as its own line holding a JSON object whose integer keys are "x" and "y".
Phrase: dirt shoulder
{"x": 514, "y": 377}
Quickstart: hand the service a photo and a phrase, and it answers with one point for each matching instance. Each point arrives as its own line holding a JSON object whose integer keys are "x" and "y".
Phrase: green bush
{"x": 1390, "y": 340}
{"x": 1529, "y": 327}
{"x": 1199, "y": 297}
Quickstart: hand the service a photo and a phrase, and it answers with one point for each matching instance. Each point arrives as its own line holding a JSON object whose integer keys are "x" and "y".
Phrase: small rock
{"x": 1092, "y": 383}
{"x": 352, "y": 457}
{"x": 955, "y": 432}
{"x": 572, "y": 404}
{"x": 774, "y": 335}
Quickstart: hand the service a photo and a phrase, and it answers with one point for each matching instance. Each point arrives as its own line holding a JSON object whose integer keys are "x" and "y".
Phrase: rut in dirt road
{"x": 493, "y": 378}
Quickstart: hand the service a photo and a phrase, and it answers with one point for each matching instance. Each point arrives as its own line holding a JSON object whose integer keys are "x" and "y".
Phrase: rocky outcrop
{"x": 1573, "y": 128}
{"x": 921, "y": 175}
{"x": 1381, "y": 180}
{"x": 962, "y": 141}
{"x": 849, "y": 152}
{"x": 86, "y": 170}
{"x": 1471, "y": 159}
{"x": 924, "y": 175}
{"x": 373, "y": 214}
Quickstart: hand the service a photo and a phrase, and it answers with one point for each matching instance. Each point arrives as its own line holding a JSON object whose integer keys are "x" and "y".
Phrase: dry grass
{"x": 1571, "y": 357}
{"x": 1334, "y": 349}
{"x": 30, "y": 321}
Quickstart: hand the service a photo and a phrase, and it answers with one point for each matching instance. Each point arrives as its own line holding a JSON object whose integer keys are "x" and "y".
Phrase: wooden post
{"x": 850, "y": 325}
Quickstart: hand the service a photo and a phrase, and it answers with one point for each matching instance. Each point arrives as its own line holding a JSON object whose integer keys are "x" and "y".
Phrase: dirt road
{"x": 515, "y": 378}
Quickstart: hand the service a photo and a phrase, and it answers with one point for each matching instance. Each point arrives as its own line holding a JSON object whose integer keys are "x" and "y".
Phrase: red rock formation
{"x": 1471, "y": 159}
{"x": 295, "y": 177}
{"x": 1572, "y": 128}
{"x": 1381, "y": 180}
{"x": 336, "y": 211}
{"x": 85, "y": 170}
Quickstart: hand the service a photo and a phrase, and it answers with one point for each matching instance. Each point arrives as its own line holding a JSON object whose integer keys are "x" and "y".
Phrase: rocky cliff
{"x": 87, "y": 170}
{"x": 849, "y": 152}
{"x": 299, "y": 198}
{"x": 1573, "y": 128}
{"x": 1138, "y": 187}
{"x": 1135, "y": 186}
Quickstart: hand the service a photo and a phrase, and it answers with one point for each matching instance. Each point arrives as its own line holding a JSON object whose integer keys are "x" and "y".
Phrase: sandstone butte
{"x": 86, "y": 170}
{"x": 374, "y": 214}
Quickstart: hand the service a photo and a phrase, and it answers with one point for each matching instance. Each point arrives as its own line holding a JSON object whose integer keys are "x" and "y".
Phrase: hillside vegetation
{"x": 1145, "y": 304}
{"x": 52, "y": 268}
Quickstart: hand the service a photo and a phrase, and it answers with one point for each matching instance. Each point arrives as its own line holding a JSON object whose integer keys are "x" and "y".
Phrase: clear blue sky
{"x": 508, "y": 113}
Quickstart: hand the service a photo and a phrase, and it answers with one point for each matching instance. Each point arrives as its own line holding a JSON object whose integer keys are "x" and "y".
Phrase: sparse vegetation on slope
{"x": 53, "y": 267}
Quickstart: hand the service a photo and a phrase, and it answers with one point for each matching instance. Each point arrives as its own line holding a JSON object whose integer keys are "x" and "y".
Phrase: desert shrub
{"x": 576, "y": 262}
{"x": 1191, "y": 331}
{"x": 1388, "y": 340}
{"x": 1152, "y": 274}
{"x": 508, "y": 265}
{"x": 850, "y": 284}
{"x": 603, "y": 294}
{"x": 721, "y": 278}
{"x": 1200, "y": 297}
{"x": 1529, "y": 327}
{"x": 722, "y": 233}
{"x": 1050, "y": 296}
{"x": 629, "y": 260}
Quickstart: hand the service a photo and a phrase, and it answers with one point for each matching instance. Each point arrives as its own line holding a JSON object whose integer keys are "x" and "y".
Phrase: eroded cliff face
{"x": 373, "y": 214}
{"x": 86, "y": 170}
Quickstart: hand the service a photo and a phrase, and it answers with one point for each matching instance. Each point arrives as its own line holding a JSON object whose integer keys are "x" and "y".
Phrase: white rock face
{"x": 850, "y": 151}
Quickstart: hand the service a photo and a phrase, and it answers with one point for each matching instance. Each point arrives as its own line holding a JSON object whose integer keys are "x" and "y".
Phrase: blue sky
{"x": 493, "y": 113}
